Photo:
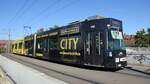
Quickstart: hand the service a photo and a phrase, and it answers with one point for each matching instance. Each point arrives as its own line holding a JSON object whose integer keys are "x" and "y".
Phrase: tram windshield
{"x": 115, "y": 40}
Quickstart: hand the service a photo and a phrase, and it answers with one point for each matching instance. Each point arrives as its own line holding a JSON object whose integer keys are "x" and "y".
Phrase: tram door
{"x": 93, "y": 51}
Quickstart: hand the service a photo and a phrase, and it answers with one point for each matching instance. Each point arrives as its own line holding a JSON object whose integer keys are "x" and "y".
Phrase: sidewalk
{"x": 140, "y": 68}
{"x": 3, "y": 78}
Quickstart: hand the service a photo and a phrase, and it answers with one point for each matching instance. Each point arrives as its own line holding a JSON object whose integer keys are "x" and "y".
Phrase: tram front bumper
{"x": 121, "y": 62}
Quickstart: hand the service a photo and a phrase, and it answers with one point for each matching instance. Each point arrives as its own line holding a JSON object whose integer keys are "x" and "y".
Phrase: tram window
{"x": 42, "y": 44}
{"x": 20, "y": 45}
{"x": 28, "y": 44}
{"x": 88, "y": 43}
{"x": 39, "y": 45}
{"x": 98, "y": 43}
{"x": 15, "y": 46}
{"x": 12, "y": 46}
{"x": 45, "y": 44}
{"x": 52, "y": 43}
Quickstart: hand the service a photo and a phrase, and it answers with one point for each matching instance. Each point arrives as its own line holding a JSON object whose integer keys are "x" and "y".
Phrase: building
{"x": 3, "y": 45}
{"x": 129, "y": 40}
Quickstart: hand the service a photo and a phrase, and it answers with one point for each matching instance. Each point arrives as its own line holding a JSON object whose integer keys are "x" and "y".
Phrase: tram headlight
{"x": 117, "y": 60}
{"x": 110, "y": 54}
{"x": 123, "y": 59}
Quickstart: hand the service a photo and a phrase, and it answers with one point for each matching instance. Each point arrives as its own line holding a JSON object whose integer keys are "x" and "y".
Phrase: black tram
{"x": 93, "y": 42}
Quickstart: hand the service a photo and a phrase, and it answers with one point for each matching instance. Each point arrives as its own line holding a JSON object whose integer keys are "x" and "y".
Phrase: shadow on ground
{"x": 144, "y": 72}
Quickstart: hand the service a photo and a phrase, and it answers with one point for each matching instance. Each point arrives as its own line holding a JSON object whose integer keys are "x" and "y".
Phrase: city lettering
{"x": 66, "y": 43}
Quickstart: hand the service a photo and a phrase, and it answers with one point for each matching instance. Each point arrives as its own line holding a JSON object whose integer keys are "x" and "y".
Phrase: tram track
{"x": 69, "y": 75}
{"x": 143, "y": 72}
{"x": 131, "y": 72}
{"x": 73, "y": 78}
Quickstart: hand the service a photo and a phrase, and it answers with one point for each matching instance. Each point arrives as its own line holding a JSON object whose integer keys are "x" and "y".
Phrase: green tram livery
{"x": 94, "y": 42}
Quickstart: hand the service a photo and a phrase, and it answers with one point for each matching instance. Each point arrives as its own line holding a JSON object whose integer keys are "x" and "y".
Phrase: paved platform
{"x": 22, "y": 74}
{"x": 76, "y": 75}
{"x": 3, "y": 78}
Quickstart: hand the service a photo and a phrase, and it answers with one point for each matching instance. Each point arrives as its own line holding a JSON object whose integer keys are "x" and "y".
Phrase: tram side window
{"x": 28, "y": 45}
{"x": 98, "y": 43}
{"x": 53, "y": 43}
{"x": 12, "y": 46}
{"x": 15, "y": 46}
{"x": 25, "y": 45}
{"x": 88, "y": 43}
{"x": 20, "y": 45}
{"x": 42, "y": 44}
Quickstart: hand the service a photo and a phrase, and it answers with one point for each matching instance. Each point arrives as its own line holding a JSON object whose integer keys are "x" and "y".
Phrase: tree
{"x": 54, "y": 27}
{"x": 148, "y": 31}
{"x": 40, "y": 30}
{"x": 140, "y": 38}
{"x": 143, "y": 38}
{"x": 148, "y": 36}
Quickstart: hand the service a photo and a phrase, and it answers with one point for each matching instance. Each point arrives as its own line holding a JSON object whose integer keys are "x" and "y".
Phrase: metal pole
{"x": 9, "y": 41}
{"x": 34, "y": 46}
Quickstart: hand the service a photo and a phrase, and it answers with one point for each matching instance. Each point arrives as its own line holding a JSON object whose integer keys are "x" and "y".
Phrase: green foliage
{"x": 2, "y": 50}
{"x": 54, "y": 27}
{"x": 142, "y": 38}
{"x": 148, "y": 36}
{"x": 148, "y": 31}
{"x": 40, "y": 30}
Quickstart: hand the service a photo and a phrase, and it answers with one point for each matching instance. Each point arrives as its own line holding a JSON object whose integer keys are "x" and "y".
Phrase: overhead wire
{"x": 27, "y": 9}
{"x": 18, "y": 11}
{"x": 49, "y": 7}
{"x": 63, "y": 7}
{"x": 21, "y": 11}
{"x": 14, "y": 18}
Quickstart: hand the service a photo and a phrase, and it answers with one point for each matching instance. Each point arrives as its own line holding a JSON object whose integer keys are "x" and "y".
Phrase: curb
{"x": 137, "y": 70}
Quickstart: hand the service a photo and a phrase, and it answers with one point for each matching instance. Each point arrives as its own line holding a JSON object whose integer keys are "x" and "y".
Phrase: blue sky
{"x": 14, "y": 14}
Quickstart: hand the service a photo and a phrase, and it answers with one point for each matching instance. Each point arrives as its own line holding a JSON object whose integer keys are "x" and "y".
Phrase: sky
{"x": 36, "y": 14}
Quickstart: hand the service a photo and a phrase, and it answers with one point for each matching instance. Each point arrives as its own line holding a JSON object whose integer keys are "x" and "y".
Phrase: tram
{"x": 93, "y": 42}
